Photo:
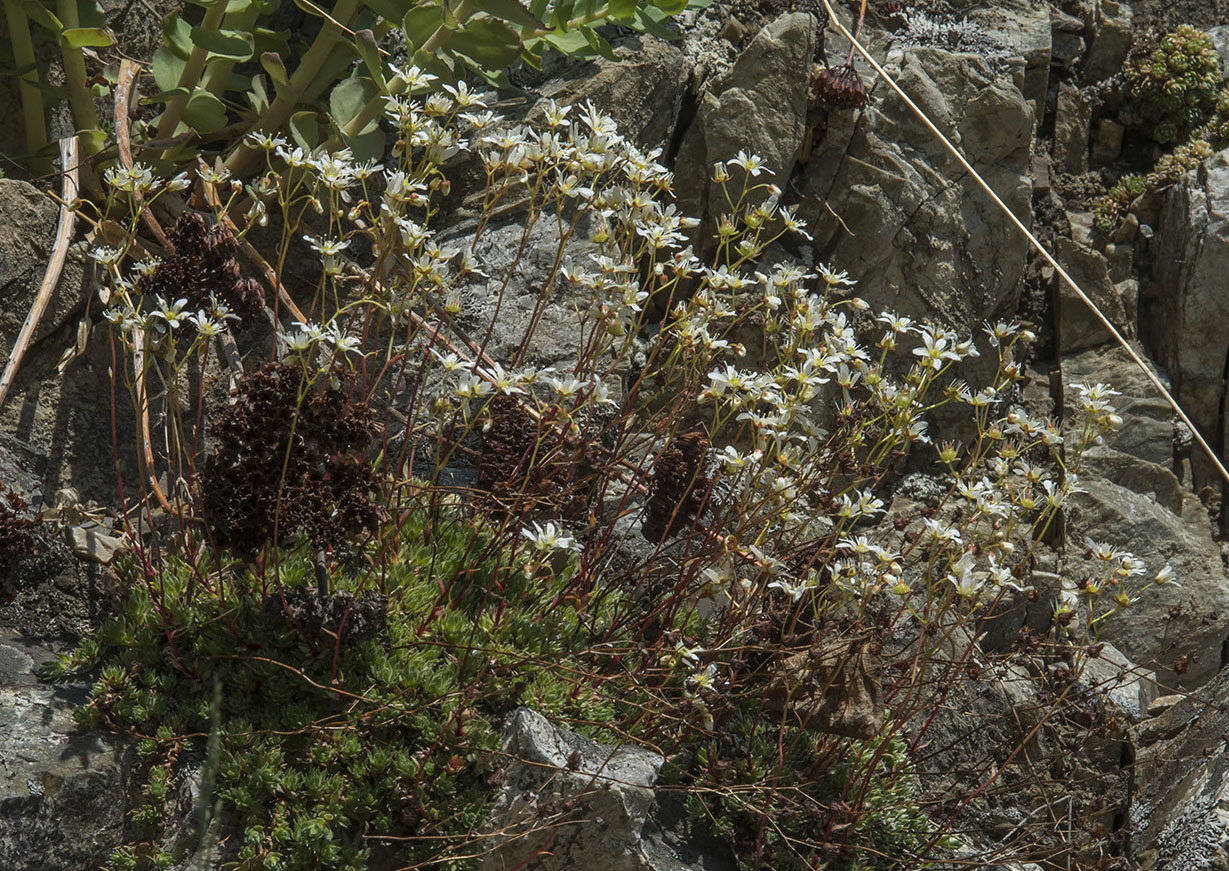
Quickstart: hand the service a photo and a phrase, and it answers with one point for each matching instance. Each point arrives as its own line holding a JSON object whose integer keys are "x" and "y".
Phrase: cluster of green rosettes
{"x": 1178, "y": 88}
{"x": 1178, "y": 82}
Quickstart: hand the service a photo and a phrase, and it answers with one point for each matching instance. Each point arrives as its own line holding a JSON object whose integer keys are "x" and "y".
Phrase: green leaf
{"x": 572, "y": 43}
{"x": 489, "y": 43}
{"x": 83, "y": 37}
{"x": 670, "y": 7}
{"x": 653, "y": 21}
{"x": 236, "y": 6}
{"x": 41, "y": 14}
{"x": 89, "y": 14}
{"x": 449, "y": 17}
{"x": 168, "y": 67}
{"x": 204, "y": 112}
{"x": 235, "y": 45}
{"x": 165, "y": 96}
{"x": 365, "y": 43}
{"x": 348, "y": 100}
{"x": 258, "y": 95}
{"x": 511, "y": 10}
{"x": 273, "y": 65}
{"x": 93, "y": 140}
{"x": 537, "y": 8}
{"x": 305, "y": 129}
{"x": 177, "y": 35}
{"x": 563, "y": 13}
{"x": 390, "y": 10}
{"x": 419, "y": 23}
{"x": 368, "y": 145}
{"x": 622, "y": 10}
{"x": 277, "y": 41}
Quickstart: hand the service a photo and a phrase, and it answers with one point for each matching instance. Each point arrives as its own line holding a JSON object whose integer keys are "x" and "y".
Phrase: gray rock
{"x": 1178, "y": 820}
{"x": 760, "y": 106}
{"x": 887, "y": 202}
{"x": 28, "y": 220}
{"x": 1107, "y": 144}
{"x": 61, "y": 791}
{"x": 1116, "y": 680}
{"x": 1108, "y": 24}
{"x": 1072, "y": 124}
{"x": 1220, "y": 36}
{"x": 1075, "y": 325}
{"x": 1024, "y": 26}
{"x": 1067, "y": 33}
{"x": 1150, "y": 433}
{"x": 1183, "y": 315}
{"x": 642, "y": 91}
{"x": 567, "y": 802}
{"x": 1176, "y": 630}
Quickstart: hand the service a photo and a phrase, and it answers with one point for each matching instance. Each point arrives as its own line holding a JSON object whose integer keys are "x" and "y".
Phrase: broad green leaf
{"x": 305, "y": 129}
{"x": 537, "y": 8}
{"x": 448, "y": 16}
{"x": 420, "y": 22}
{"x": 89, "y": 14}
{"x": 366, "y": 146}
{"x": 273, "y": 65}
{"x": 623, "y": 9}
{"x": 165, "y": 96}
{"x": 652, "y": 20}
{"x": 277, "y": 41}
{"x": 365, "y": 43}
{"x": 235, "y": 6}
{"x": 349, "y": 98}
{"x": 168, "y": 67}
{"x": 598, "y": 43}
{"x": 177, "y": 34}
{"x": 230, "y": 44}
{"x": 42, "y": 15}
{"x": 489, "y": 43}
{"x": 571, "y": 43}
{"x": 204, "y": 112}
{"x": 258, "y": 95}
{"x": 93, "y": 141}
{"x": 390, "y": 10}
{"x": 513, "y": 11}
{"x": 670, "y": 7}
{"x": 563, "y": 13}
{"x": 83, "y": 37}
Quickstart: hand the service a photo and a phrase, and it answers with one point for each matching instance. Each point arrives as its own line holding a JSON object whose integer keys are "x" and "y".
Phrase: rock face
{"x": 568, "y": 802}
{"x": 61, "y": 791}
{"x": 888, "y": 203}
{"x": 1184, "y": 313}
{"x": 1178, "y": 819}
{"x": 643, "y": 91}
{"x": 760, "y": 106}
{"x": 27, "y": 230}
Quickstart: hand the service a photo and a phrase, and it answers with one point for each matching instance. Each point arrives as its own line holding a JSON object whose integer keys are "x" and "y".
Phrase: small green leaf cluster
{"x": 1178, "y": 82}
{"x": 323, "y": 752}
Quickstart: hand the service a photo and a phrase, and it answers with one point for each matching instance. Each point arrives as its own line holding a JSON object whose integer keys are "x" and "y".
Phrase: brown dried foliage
{"x": 679, "y": 488}
{"x": 525, "y": 464}
{"x": 838, "y": 88}
{"x": 325, "y": 491}
{"x": 204, "y": 264}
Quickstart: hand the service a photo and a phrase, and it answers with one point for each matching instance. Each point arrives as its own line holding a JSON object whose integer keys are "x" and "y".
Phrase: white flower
{"x": 327, "y": 247}
{"x": 549, "y": 538}
{"x": 107, "y": 255}
{"x": 172, "y": 313}
{"x": 704, "y": 679}
{"x": 753, "y": 164}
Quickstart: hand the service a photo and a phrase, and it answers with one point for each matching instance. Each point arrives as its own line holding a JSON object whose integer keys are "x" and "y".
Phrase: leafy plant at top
{"x": 1178, "y": 83}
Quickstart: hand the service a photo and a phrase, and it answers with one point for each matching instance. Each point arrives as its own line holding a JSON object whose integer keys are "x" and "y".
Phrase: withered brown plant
{"x": 679, "y": 487}
{"x": 204, "y": 265}
{"x": 289, "y": 458}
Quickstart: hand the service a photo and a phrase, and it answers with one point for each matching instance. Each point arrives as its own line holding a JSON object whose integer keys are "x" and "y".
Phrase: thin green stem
{"x": 85, "y": 117}
{"x": 31, "y": 98}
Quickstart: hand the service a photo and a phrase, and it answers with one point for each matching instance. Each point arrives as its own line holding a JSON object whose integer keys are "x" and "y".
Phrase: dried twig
{"x": 69, "y": 151}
